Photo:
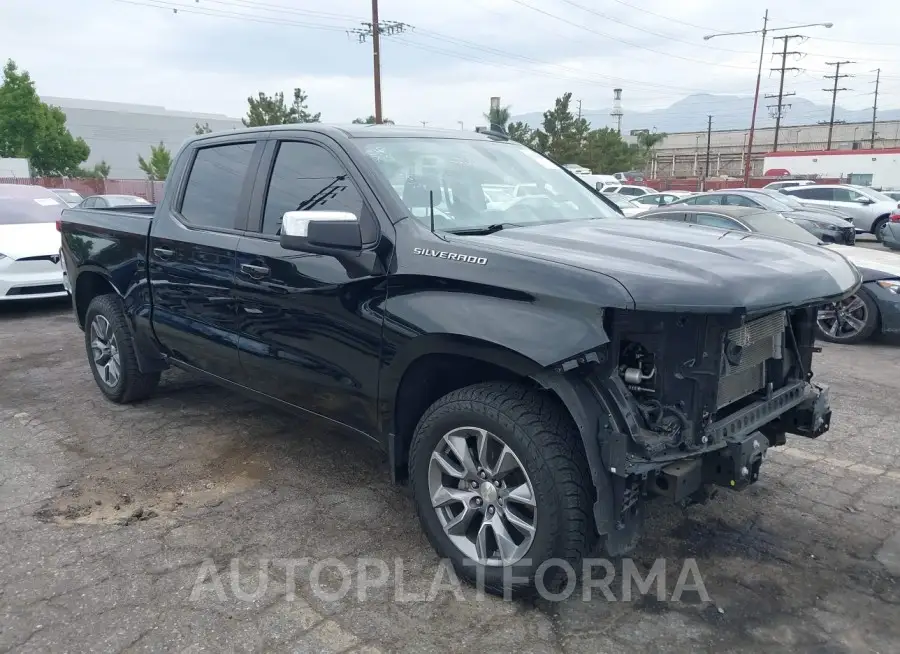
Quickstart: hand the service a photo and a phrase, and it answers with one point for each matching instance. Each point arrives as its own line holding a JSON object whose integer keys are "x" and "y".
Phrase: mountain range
{"x": 728, "y": 111}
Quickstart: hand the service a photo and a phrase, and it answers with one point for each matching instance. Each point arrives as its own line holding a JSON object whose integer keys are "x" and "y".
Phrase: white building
{"x": 877, "y": 168}
{"x": 118, "y": 132}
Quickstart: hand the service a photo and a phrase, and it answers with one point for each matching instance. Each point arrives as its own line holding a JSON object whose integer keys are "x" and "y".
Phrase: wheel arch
{"x": 408, "y": 389}
{"x": 880, "y": 220}
{"x": 90, "y": 282}
{"x": 93, "y": 281}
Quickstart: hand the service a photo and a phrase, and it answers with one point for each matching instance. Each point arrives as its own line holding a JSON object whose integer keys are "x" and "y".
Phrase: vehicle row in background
{"x": 825, "y": 225}
{"x": 874, "y": 307}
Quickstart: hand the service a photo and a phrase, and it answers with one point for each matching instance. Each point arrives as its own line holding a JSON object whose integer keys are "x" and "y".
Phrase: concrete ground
{"x": 117, "y": 523}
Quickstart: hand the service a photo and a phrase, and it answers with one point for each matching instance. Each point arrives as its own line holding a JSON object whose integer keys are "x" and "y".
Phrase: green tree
{"x": 34, "y": 130}
{"x": 646, "y": 141}
{"x": 102, "y": 169}
{"x": 498, "y": 116}
{"x": 202, "y": 129}
{"x": 160, "y": 161}
{"x": 99, "y": 171}
{"x": 605, "y": 152}
{"x": 266, "y": 110}
{"x": 519, "y": 131}
{"x": 370, "y": 120}
{"x": 563, "y": 135}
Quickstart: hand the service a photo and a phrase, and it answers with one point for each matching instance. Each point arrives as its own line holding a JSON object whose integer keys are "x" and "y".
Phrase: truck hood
{"x": 682, "y": 267}
{"x": 19, "y": 241}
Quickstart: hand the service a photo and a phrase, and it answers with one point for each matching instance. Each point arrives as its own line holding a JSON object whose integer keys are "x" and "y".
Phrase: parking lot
{"x": 111, "y": 515}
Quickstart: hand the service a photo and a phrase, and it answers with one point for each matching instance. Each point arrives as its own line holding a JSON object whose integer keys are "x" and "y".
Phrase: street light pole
{"x": 762, "y": 51}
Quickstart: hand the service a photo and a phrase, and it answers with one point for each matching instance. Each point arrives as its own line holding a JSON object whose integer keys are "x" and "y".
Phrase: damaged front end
{"x": 694, "y": 401}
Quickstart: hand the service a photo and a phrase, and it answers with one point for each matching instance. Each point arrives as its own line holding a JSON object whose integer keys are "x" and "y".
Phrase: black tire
{"x": 873, "y": 319}
{"x": 132, "y": 385}
{"x": 547, "y": 443}
{"x": 877, "y": 228}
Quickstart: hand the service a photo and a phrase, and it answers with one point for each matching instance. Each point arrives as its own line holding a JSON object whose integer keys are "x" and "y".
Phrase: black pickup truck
{"x": 536, "y": 367}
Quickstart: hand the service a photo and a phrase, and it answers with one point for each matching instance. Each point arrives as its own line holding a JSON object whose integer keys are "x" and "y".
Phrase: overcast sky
{"x": 212, "y": 54}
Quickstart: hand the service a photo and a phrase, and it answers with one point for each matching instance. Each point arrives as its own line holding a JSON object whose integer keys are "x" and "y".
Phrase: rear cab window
{"x": 214, "y": 185}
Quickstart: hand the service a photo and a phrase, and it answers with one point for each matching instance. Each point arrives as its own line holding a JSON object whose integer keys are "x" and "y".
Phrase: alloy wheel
{"x": 483, "y": 497}
{"x": 844, "y": 319}
{"x": 105, "y": 351}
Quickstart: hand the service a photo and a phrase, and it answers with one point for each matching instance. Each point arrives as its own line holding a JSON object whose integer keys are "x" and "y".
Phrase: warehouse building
{"x": 118, "y": 132}
{"x": 683, "y": 154}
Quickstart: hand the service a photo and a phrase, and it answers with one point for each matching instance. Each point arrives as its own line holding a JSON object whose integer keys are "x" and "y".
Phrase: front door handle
{"x": 256, "y": 272}
{"x": 164, "y": 253}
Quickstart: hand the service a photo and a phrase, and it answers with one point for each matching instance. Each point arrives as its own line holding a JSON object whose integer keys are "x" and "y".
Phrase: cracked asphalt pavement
{"x": 120, "y": 527}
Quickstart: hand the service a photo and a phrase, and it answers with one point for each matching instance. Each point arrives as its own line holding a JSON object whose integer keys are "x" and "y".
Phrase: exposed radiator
{"x": 760, "y": 340}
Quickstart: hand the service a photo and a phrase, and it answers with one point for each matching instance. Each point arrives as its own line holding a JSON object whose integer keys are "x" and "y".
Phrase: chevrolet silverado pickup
{"x": 536, "y": 370}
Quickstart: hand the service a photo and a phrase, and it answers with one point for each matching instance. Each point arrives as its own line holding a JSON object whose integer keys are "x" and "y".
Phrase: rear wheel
{"x": 111, "y": 353}
{"x": 502, "y": 488}
{"x": 849, "y": 321}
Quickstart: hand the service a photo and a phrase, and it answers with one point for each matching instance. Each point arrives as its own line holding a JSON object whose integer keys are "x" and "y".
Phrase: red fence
{"x": 144, "y": 188}
{"x": 693, "y": 184}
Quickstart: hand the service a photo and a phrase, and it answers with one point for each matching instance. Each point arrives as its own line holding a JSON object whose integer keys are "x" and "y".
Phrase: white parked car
{"x": 870, "y": 210}
{"x": 629, "y": 208}
{"x": 29, "y": 243}
{"x": 634, "y": 191}
{"x": 777, "y": 186}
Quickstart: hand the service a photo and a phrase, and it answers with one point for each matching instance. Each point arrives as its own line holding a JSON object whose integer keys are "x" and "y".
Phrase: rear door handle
{"x": 164, "y": 253}
{"x": 256, "y": 272}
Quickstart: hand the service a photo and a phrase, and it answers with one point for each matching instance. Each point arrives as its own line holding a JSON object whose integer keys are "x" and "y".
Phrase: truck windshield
{"x": 474, "y": 184}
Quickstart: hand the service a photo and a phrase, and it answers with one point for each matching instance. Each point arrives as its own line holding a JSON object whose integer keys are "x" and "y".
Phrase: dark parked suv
{"x": 535, "y": 369}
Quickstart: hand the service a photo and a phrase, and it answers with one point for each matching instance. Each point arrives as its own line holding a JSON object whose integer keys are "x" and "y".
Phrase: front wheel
{"x": 502, "y": 489}
{"x": 849, "y": 321}
{"x": 111, "y": 353}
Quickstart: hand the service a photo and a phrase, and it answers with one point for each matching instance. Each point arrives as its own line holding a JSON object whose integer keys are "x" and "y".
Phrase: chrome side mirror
{"x": 320, "y": 232}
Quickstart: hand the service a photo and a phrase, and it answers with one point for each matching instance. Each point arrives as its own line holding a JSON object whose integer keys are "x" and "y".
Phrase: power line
{"x": 667, "y": 37}
{"x": 875, "y": 107}
{"x": 375, "y": 30}
{"x": 837, "y": 76}
{"x": 628, "y": 43}
{"x": 780, "y": 107}
{"x": 668, "y": 18}
{"x": 708, "y": 148}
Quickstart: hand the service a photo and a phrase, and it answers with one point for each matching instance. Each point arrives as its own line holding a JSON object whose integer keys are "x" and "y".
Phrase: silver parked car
{"x": 871, "y": 210}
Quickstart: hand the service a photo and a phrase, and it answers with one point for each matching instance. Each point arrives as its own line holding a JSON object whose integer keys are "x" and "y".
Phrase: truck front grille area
{"x": 745, "y": 352}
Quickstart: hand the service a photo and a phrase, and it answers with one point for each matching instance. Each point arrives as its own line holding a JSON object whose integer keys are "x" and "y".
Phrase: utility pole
{"x": 875, "y": 107}
{"x": 764, "y": 31}
{"x": 834, "y": 91}
{"x": 781, "y": 108}
{"x": 579, "y": 109}
{"x": 375, "y": 30}
{"x": 708, "y": 147}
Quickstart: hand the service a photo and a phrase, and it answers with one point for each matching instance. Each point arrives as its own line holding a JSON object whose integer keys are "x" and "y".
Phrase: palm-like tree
{"x": 498, "y": 116}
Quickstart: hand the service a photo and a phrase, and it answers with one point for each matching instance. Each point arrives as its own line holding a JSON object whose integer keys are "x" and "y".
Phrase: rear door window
{"x": 813, "y": 193}
{"x": 214, "y": 186}
{"x": 717, "y": 220}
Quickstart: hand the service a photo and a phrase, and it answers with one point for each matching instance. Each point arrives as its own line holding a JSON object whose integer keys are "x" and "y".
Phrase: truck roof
{"x": 360, "y": 131}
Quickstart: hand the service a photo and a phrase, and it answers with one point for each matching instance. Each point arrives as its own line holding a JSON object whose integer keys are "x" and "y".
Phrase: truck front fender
{"x": 541, "y": 330}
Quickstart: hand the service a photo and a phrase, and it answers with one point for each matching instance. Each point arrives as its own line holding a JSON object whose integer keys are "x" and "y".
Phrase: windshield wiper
{"x": 482, "y": 231}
